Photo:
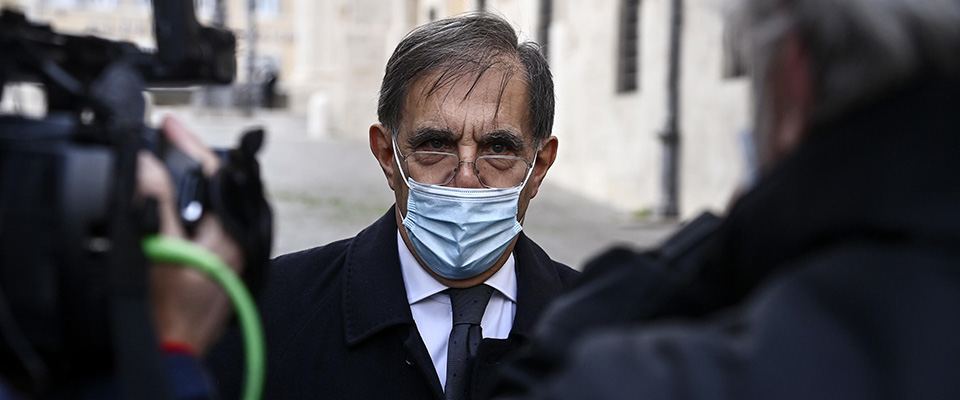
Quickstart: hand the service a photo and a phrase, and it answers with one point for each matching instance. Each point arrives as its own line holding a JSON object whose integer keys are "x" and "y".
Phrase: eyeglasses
{"x": 493, "y": 171}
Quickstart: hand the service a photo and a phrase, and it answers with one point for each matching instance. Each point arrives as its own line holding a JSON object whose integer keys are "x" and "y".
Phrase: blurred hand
{"x": 189, "y": 308}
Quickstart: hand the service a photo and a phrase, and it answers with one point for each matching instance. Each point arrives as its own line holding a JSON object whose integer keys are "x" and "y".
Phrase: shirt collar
{"x": 420, "y": 285}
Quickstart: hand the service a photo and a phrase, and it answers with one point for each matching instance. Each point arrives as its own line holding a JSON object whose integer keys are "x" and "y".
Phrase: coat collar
{"x": 374, "y": 297}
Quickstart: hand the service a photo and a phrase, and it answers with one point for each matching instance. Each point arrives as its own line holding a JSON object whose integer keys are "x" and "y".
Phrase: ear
{"x": 381, "y": 144}
{"x": 793, "y": 96}
{"x": 545, "y": 159}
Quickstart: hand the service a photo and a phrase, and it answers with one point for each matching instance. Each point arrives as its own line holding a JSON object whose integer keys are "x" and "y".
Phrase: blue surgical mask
{"x": 460, "y": 232}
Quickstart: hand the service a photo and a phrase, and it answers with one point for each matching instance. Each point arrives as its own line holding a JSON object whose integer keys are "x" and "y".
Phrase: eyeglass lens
{"x": 440, "y": 168}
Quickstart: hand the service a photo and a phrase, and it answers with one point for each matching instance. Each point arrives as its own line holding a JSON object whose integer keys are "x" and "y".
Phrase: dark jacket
{"x": 338, "y": 325}
{"x": 837, "y": 277}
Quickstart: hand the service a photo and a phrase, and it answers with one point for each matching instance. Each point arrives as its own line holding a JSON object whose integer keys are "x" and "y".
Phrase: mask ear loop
{"x": 533, "y": 166}
{"x": 396, "y": 157}
{"x": 529, "y": 173}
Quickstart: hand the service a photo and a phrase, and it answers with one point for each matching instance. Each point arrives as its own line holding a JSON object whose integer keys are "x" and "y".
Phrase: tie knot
{"x": 469, "y": 304}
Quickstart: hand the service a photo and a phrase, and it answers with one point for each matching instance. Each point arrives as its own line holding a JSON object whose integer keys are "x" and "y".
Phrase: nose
{"x": 466, "y": 176}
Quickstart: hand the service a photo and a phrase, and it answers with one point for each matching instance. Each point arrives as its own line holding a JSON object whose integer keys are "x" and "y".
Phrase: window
{"x": 543, "y": 27}
{"x": 628, "y": 47}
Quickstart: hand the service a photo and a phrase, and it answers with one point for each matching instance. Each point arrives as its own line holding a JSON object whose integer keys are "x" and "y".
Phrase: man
{"x": 464, "y": 142}
{"x": 838, "y": 275}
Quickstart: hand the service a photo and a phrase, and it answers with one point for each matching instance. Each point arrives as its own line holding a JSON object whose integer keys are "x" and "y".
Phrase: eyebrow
{"x": 429, "y": 133}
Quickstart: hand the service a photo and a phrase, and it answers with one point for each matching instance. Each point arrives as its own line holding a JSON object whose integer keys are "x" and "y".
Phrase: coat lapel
{"x": 374, "y": 297}
{"x": 537, "y": 284}
{"x": 373, "y": 294}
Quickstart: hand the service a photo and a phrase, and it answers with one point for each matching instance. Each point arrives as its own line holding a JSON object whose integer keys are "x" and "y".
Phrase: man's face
{"x": 469, "y": 119}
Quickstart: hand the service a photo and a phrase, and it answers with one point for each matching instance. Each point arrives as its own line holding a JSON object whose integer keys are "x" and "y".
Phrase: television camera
{"x": 73, "y": 275}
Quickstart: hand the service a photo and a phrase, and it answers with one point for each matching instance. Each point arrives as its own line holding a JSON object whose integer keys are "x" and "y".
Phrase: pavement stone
{"x": 327, "y": 189}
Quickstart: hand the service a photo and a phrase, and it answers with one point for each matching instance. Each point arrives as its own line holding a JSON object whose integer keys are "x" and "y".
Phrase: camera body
{"x": 73, "y": 277}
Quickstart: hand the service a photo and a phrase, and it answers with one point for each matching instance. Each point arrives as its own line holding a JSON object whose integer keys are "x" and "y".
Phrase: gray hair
{"x": 466, "y": 46}
{"x": 860, "y": 48}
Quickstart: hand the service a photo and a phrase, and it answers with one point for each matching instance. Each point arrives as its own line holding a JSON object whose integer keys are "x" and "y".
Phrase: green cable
{"x": 177, "y": 251}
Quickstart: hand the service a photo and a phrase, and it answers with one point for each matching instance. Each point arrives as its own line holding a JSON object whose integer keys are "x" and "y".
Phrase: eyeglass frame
{"x": 476, "y": 171}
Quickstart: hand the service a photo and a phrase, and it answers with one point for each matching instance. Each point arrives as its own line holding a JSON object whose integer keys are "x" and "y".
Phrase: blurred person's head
{"x": 467, "y": 87}
{"x": 816, "y": 60}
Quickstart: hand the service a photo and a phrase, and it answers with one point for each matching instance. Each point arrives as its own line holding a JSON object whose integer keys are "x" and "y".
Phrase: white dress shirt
{"x": 433, "y": 313}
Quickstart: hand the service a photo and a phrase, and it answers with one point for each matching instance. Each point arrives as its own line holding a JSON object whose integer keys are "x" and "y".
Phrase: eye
{"x": 501, "y": 143}
{"x": 435, "y": 144}
{"x": 500, "y": 148}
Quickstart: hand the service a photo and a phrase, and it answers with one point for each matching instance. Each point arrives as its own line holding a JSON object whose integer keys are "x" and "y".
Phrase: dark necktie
{"x": 468, "y": 305}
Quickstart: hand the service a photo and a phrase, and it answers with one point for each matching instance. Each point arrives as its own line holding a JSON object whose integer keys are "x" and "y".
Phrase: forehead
{"x": 472, "y": 102}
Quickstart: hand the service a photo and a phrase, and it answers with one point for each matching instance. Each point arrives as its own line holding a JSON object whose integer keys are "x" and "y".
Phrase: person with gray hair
{"x": 428, "y": 300}
{"x": 837, "y": 275}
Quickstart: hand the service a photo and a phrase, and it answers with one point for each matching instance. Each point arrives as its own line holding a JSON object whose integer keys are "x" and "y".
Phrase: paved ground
{"x": 328, "y": 189}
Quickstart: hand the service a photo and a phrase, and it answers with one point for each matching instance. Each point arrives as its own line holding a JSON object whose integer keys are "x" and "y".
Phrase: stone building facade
{"x": 610, "y": 60}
